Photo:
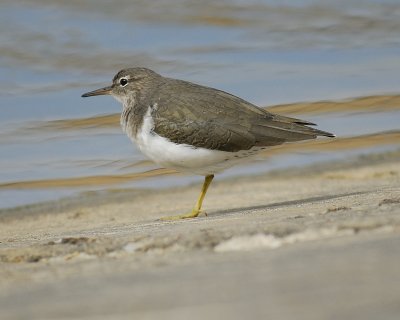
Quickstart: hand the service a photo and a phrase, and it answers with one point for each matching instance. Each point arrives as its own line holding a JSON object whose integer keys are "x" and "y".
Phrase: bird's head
{"x": 127, "y": 83}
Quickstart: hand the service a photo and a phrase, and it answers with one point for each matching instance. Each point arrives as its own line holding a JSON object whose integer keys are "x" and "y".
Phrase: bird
{"x": 194, "y": 128}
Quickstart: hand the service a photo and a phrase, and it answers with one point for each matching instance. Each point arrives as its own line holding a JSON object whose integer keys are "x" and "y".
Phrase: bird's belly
{"x": 184, "y": 157}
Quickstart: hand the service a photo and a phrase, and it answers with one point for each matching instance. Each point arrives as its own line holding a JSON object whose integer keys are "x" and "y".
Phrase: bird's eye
{"x": 123, "y": 82}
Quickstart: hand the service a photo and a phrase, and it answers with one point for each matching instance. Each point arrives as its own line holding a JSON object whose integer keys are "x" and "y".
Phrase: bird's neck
{"x": 131, "y": 116}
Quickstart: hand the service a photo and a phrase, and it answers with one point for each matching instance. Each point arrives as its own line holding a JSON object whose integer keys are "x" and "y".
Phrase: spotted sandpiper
{"x": 196, "y": 129}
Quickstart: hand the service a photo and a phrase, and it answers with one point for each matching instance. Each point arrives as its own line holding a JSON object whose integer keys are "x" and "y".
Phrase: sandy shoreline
{"x": 309, "y": 242}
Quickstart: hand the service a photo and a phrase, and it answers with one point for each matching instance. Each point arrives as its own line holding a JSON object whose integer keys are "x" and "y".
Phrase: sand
{"x": 306, "y": 243}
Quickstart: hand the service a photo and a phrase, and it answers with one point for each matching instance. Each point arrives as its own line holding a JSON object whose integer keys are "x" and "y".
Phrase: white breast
{"x": 182, "y": 157}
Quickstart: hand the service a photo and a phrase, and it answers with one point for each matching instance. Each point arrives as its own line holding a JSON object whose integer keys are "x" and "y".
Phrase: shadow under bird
{"x": 196, "y": 129}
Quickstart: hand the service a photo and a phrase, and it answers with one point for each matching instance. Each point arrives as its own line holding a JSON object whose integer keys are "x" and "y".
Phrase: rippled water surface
{"x": 53, "y": 143}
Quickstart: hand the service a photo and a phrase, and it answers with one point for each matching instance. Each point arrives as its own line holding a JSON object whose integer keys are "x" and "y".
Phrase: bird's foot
{"x": 193, "y": 214}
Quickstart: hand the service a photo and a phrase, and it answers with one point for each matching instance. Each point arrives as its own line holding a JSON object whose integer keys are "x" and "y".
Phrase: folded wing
{"x": 208, "y": 118}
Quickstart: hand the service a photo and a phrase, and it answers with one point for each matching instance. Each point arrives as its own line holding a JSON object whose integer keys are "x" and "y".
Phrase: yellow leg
{"x": 197, "y": 208}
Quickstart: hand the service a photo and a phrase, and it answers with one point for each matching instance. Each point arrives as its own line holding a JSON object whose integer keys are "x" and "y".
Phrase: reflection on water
{"x": 53, "y": 51}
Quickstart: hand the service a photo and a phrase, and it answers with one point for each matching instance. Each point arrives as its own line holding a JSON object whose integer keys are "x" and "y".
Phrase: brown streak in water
{"x": 85, "y": 181}
{"x": 217, "y": 21}
{"x": 358, "y": 142}
{"x": 365, "y": 141}
{"x": 104, "y": 121}
{"x": 361, "y": 104}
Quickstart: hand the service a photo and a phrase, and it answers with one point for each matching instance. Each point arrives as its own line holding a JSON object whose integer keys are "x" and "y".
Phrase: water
{"x": 52, "y": 52}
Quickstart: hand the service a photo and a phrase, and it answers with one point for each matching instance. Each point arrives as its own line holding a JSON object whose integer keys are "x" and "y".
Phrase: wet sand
{"x": 305, "y": 243}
